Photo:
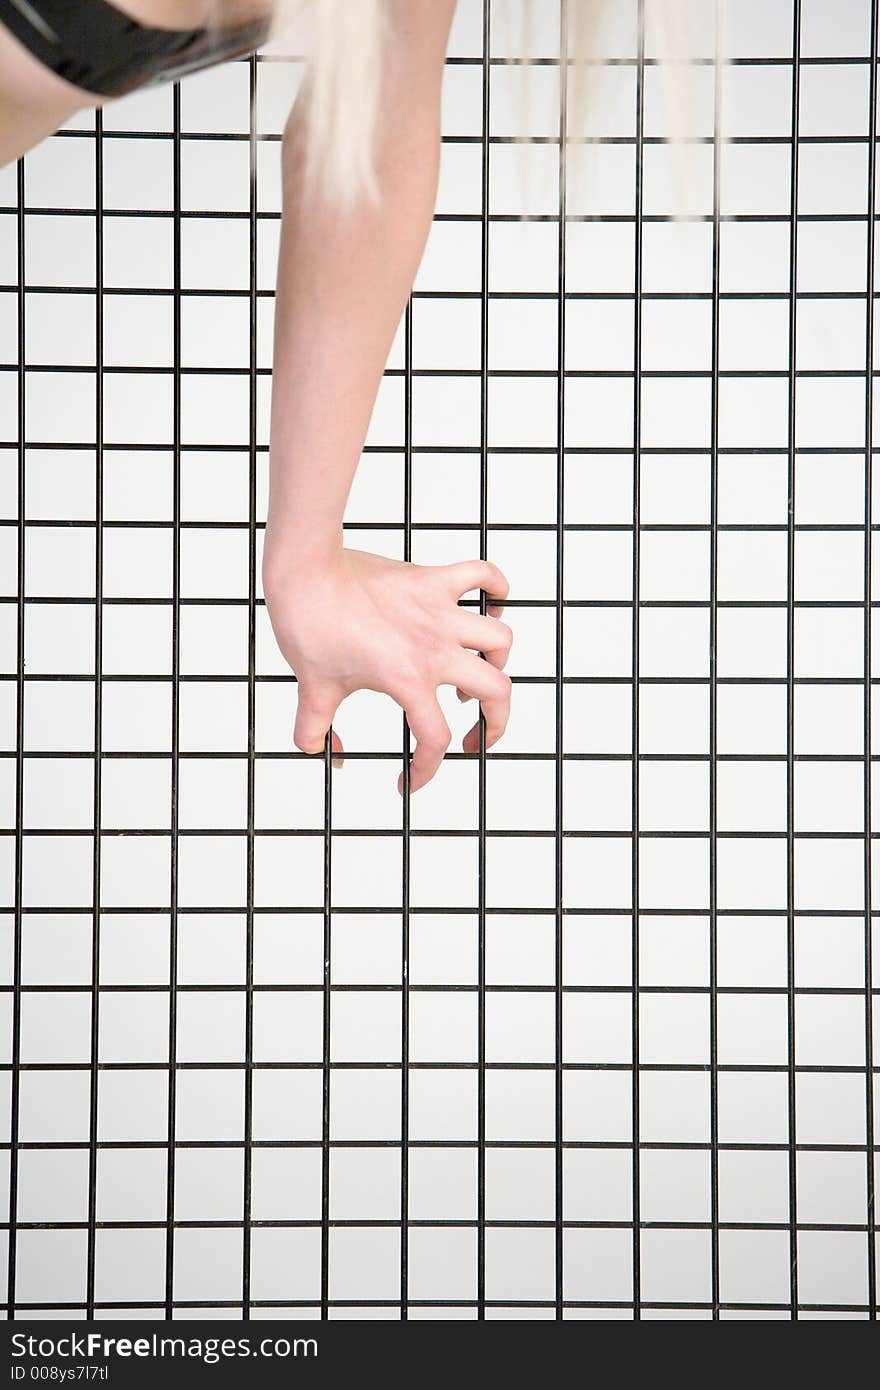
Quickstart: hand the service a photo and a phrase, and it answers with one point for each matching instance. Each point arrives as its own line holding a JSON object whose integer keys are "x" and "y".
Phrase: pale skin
{"x": 344, "y": 619}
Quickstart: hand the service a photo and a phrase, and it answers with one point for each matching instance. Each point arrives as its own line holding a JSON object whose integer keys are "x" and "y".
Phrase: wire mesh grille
{"x": 595, "y": 1013}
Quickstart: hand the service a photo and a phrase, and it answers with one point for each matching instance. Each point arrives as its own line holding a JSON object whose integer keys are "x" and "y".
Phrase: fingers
{"x": 492, "y": 688}
{"x": 316, "y": 706}
{"x": 476, "y": 574}
{"x": 485, "y": 634}
{"x": 428, "y": 725}
{"x": 336, "y": 749}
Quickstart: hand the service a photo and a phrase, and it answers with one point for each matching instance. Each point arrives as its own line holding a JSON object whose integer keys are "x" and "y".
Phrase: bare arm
{"x": 343, "y": 618}
{"x": 342, "y": 287}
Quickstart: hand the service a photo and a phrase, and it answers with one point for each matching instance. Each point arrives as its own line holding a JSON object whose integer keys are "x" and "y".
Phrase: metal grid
{"x": 523, "y": 1239}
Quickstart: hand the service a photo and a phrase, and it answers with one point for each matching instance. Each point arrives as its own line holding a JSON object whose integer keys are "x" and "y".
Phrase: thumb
{"x": 315, "y": 709}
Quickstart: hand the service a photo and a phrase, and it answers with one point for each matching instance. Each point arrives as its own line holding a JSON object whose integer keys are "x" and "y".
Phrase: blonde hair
{"x": 343, "y": 42}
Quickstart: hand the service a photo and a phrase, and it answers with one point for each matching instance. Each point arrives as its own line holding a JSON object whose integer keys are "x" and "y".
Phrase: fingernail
{"x": 337, "y": 762}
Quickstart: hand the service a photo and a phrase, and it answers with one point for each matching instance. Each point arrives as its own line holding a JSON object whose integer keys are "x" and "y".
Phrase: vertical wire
{"x": 15, "y": 1088}
{"x": 790, "y": 640}
{"x": 560, "y": 593}
{"x": 406, "y": 848}
{"x": 636, "y": 559}
{"x": 713, "y": 681}
{"x": 867, "y": 712}
{"x": 175, "y": 720}
{"x": 325, "y": 1029}
{"x": 481, "y": 831}
{"x": 99, "y": 625}
{"x": 325, "y": 1042}
{"x": 247, "y": 1169}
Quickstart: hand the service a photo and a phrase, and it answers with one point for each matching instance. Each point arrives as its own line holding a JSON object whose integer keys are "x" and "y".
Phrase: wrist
{"x": 291, "y": 556}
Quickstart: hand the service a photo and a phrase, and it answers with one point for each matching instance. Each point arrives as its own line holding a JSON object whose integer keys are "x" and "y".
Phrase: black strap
{"x": 100, "y": 49}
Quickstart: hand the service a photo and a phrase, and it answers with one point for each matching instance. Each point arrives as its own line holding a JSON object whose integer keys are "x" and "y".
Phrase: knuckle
{"x": 496, "y": 573}
{"x": 308, "y": 745}
{"x": 435, "y": 653}
{"x": 505, "y": 632}
{"x": 437, "y": 742}
{"x": 404, "y": 675}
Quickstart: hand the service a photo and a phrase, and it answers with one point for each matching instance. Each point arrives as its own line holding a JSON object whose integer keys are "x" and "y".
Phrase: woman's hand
{"x": 361, "y": 621}
{"x": 345, "y": 619}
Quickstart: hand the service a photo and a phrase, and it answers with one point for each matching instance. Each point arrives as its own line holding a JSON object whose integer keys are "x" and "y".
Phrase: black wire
{"x": 870, "y": 1174}
{"x": 558, "y": 945}
{"x": 790, "y": 662}
{"x": 713, "y": 689}
{"x": 635, "y": 765}
{"x": 98, "y": 716}
{"x": 15, "y": 1087}
{"x": 485, "y": 191}
{"x": 247, "y": 1171}
{"x": 173, "y": 935}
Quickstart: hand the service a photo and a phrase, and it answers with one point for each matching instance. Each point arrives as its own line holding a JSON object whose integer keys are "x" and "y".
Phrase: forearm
{"x": 343, "y": 282}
